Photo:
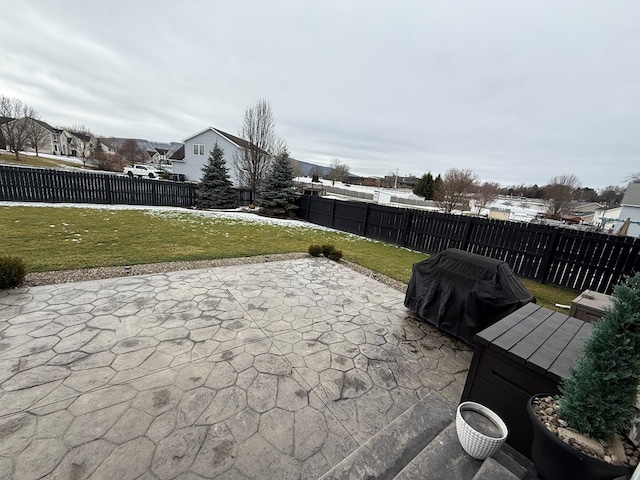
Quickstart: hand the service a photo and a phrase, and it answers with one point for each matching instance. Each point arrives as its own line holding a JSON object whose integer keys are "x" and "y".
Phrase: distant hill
{"x": 306, "y": 168}
{"x": 145, "y": 144}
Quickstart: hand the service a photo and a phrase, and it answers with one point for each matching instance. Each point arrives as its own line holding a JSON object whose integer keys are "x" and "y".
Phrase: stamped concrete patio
{"x": 275, "y": 370}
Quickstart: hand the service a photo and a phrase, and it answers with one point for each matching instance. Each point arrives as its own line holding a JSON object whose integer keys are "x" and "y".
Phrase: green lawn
{"x": 50, "y": 238}
{"x": 33, "y": 161}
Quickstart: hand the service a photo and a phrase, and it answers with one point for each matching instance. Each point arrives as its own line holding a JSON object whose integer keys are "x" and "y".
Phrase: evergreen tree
{"x": 420, "y": 188}
{"x": 278, "y": 195}
{"x": 425, "y": 186}
{"x": 598, "y": 397}
{"x": 215, "y": 189}
{"x": 437, "y": 184}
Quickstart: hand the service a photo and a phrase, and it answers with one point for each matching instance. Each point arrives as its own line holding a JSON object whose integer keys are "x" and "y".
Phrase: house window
{"x": 198, "y": 149}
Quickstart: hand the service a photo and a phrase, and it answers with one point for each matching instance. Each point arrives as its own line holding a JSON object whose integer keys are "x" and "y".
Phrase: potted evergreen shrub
{"x": 598, "y": 398}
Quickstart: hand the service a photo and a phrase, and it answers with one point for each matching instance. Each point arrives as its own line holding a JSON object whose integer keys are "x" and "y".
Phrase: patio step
{"x": 445, "y": 458}
{"x": 423, "y": 443}
{"x": 393, "y": 447}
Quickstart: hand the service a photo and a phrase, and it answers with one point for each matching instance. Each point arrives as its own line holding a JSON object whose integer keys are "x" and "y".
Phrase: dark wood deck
{"x": 525, "y": 353}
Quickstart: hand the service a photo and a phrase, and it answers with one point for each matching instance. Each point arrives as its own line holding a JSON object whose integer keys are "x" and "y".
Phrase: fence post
{"x": 547, "y": 256}
{"x": 108, "y": 187}
{"x": 332, "y": 211}
{"x": 154, "y": 193}
{"x": 404, "y": 227}
{"x": 468, "y": 228}
{"x": 365, "y": 227}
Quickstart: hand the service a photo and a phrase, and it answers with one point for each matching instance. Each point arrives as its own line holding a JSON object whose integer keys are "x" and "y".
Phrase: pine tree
{"x": 598, "y": 397}
{"x": 425, "y": 186}
{"x": 437, "y": 185}
{"x": 215, "y": 189}
{"x": 278, "y": 195}
{"x": 430, "y": 188}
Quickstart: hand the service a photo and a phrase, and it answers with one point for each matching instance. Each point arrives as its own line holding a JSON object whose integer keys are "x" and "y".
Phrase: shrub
{"x": 327, "y": 249}
{"x": 12, "y": 272}
{"x": 335, "y": 255}
{"x": 598, "y": 397}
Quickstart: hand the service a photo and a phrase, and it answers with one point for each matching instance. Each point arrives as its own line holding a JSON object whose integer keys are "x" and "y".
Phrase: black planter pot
{"x": 555, "y": 460}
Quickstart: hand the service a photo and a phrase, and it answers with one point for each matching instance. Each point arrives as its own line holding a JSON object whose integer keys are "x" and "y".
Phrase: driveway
{"x": 274, "y": 370}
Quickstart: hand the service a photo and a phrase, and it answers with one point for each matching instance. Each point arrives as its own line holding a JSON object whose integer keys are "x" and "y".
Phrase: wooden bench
{"x": 528, "y": 352}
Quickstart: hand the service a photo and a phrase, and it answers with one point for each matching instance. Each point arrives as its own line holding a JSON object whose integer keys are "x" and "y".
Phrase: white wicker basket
{"x": 476, "y": 444}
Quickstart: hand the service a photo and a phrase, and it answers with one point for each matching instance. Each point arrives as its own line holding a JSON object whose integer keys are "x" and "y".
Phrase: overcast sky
{"x": 518, "y": 91}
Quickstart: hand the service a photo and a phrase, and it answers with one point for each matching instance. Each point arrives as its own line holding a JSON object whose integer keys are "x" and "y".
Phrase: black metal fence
{"x": 20, "y": 184}
{"x": 560, "y": 256}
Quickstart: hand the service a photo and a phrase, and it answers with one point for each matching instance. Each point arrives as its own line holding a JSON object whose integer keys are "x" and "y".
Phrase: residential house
{"x": 584, "y": 212}
{"x": 157, "y": 155}
{"x": 163, "y": 155}
{"x": 197, "y": 148}
{"x": 38, "y": 136}
{"x": 178, "y": 155}
{"x": 607, "y": 219}
{"x": 50, "y": 137}
{"x": 614, "y": 219}
{"x": 108, "y": 145}
{"x": 76, "y": 144}
{"x": 152, "y": 156}
{"x": 630, "y": 204}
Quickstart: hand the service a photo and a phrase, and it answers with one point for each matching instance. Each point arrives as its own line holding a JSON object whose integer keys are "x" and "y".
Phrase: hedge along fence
{"x": 21, "y": 184}
{"x": 559, "y": 256}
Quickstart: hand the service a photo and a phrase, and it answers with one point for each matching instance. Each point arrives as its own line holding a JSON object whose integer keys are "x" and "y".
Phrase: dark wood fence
{"x": 20, "y": 184}
{"x": 560, "y": 256}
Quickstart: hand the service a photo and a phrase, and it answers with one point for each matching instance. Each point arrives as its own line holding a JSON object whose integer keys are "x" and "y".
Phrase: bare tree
{"x": 16, "y": 132}
{"x": 296, "y": 168}
{"x": 252, "y": 162}
{"x": 611, "y": 194}
{"x": 485, "y": 194}
{"x": 559, "y": 192}
{"x": 339, "y": 171}
{"x": 38, "y": 135}
{"x": 633, "y": 178}
{"x": 453, "y": 190}
{"x": 131, "y": 152}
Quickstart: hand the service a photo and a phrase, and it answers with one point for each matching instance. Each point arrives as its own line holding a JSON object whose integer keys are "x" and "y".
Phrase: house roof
{"x": 82, "y": 136}
{"x": 4, "y": 120}
{"x": 162, "y": 151}
{"x": 632, "y": 195}
{"x": 240, "y": 142}
{"x": 47, "y": 126}
{"x": 584, "y": 207}
{"x": 108, "y": 142}
{"x": 178, "y": 154}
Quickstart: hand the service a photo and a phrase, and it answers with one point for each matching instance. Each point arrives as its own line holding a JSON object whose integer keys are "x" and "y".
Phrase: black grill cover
{"x": 463, "y": 293}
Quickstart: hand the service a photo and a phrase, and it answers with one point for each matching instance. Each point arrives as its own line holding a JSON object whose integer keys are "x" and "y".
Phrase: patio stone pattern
{"x": 275, "y": 370}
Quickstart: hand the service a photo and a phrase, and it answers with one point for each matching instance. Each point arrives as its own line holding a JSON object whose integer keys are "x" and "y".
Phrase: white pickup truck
{"x": 140, "y": 171}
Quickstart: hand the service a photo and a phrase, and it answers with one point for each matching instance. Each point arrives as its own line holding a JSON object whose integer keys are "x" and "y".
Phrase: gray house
{"x": 625, "y": 219}
{"x": 631, "y": 209}
{"x": 196, "y": 153}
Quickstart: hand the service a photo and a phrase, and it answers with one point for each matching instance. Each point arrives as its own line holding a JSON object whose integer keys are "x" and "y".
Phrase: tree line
{"x": 255, "y": 168}
{"x": 457, "y": 187}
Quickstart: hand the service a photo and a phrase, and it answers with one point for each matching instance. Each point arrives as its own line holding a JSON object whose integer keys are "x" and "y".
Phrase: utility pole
{"x": 395, "y": 184}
